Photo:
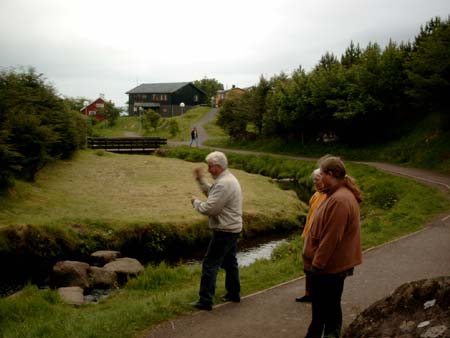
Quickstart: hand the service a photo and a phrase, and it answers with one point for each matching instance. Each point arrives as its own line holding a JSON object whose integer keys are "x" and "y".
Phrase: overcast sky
{"x": 87, "y": 47}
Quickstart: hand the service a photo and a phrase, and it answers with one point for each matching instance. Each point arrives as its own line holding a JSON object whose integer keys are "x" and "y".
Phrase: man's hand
{"x": 193, "y": 198}
{"x": 198, "y": 173}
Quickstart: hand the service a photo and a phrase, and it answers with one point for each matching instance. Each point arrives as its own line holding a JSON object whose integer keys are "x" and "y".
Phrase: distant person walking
{"x": 194, "y": 137}
{"x": 224, "y": 209}
{"x": 332, "y": 247}
{"x": 314, "y": 202}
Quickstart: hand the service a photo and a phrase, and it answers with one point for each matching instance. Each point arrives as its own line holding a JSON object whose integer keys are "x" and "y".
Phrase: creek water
{"x": 249, "y": 256}
{"x": 249, "y": 252}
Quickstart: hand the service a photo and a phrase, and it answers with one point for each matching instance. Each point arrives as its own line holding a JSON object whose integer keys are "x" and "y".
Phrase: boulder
{"x": 71, "y": 273}
{"x": 124, "y": 268}
{"x": 71, "y": 295}
{"x": 102, "y": 257}
{"x": 102, "y": 278}
{"x": 418, "y": 309}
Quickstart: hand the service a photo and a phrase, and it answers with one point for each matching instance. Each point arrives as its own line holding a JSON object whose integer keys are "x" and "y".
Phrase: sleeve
{"x": 217, "y": 198}
{"x": 205, "y": 187}
{"x": 333, "y": 229}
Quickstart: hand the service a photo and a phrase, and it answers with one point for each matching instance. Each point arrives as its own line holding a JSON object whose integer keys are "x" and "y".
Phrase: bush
{"x": 35, "y": 125}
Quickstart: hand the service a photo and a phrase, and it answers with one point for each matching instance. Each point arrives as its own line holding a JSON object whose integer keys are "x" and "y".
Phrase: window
{"x": 99, "y": 105}
{"x": 159, "y": 97}
{"x": 195, "y": 98}
{"x": 140, "y": 98}
{"x": 92, "y": 113}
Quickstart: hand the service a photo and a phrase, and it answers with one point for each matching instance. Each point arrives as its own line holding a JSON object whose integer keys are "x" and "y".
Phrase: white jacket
{"x": 224, "y": 203}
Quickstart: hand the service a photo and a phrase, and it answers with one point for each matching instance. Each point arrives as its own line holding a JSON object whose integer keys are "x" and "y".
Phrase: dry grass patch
{"x": 119, "y": 190}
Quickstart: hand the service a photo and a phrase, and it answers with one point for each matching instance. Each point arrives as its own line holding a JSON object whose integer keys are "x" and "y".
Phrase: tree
{"x": 35, "y": 125}
{"x": 233, "y": 117}
{"x": 351, "y": 56}
{"x": 111, "y": 112}
{"x": 209, "y": 86}
{"x": 431, "y": 80}
{"x": 150, "y": 119}
{"x": 258, "y": 104}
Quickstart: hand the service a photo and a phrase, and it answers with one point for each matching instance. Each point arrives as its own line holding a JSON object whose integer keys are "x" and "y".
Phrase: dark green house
{"x": 168, "y": 99}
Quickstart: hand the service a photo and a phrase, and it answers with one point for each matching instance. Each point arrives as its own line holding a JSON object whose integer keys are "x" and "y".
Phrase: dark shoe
{"x": 202, "y": 306}
{"x": 228, "y": 298}
{"x": 304, "y": 299}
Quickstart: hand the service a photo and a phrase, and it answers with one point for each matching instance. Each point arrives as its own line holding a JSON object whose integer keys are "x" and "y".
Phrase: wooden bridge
{"x": 128, "y": 145}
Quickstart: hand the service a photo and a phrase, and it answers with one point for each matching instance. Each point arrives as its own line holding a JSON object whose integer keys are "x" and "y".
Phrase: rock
{"x": 70, "y": 273}
{"x": 404, "y": 314}
{"x": 72, "y": 295}
{"x": 124, "y": 268}
{"x": 102, "y": 278}
{"x": 436, "y": 332}
{"x": 407, "y": 326}
{"x": 102, "y": 257}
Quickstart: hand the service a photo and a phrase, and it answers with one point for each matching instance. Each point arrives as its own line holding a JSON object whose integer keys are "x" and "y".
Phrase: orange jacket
{"x": 314, "y": 202}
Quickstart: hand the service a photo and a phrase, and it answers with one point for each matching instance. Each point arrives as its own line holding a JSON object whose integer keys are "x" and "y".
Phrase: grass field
{"x": 121, "y": 190}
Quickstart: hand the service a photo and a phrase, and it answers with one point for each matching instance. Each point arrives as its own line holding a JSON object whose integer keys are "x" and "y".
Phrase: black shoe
{"x": 202, "y": 306}
{"x": 228, "y": 298}
{"x": 304, "y": 299}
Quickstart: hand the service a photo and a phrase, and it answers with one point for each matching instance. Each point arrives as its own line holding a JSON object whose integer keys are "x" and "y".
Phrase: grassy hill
{"x": 125, "y": 190}
{"x": 127, "y": 125}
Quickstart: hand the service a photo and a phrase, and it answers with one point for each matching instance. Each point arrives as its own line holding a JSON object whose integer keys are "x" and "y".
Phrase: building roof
{"x": 159, "y": 88}
{"x": 98, "y": 98}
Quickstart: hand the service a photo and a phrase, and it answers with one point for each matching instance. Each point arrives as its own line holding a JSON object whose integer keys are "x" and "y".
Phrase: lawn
{"x": 121, "y": 190}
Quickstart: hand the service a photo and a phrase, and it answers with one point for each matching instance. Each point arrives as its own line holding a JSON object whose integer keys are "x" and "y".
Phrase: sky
{"x": 85, "y": 48}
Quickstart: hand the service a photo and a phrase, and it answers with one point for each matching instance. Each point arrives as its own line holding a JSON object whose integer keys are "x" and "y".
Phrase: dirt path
{"x": 273, "y": 313}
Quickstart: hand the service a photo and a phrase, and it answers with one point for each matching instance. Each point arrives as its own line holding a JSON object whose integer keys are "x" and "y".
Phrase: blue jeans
{"x": 221, "y": 254}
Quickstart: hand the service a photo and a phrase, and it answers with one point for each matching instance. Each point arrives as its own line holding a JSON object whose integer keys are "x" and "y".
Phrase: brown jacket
{"x": 334, "y": 241}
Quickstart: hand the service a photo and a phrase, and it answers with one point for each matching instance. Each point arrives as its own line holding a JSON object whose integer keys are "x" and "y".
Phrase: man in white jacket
{"x": 224, "y": 210}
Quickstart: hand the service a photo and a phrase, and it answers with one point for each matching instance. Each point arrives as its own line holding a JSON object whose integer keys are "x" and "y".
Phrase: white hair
{"x": 315, "y": 173}
{"x": 217, "y": 158}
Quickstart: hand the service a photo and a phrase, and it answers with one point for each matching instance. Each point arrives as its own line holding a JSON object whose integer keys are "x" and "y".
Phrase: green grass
{"x": 215, "y": 133}
{"x": 130, "y": 125}
{"x": 160, "y": 293}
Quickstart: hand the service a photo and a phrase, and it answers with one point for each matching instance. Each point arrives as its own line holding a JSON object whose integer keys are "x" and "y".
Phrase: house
{"x": 92, "y": 108}
{"x": 168, "y": 99}
{"x": 223, "y": 94}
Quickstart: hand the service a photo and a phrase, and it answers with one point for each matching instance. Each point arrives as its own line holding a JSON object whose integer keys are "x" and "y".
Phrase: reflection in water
{"x": 263, "y": 251}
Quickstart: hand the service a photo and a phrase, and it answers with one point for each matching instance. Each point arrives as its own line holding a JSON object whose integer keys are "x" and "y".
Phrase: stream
{"x": 251, "y": 252}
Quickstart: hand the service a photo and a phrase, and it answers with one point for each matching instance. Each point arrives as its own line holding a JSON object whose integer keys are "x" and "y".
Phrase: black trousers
{"x": 221, "y": 254}
{"x": 326, "y": 293}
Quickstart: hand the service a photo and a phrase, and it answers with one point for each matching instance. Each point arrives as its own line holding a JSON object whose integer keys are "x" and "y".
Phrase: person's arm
{"x": 202, "y": 182}
{"x": 217, "y": 198}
